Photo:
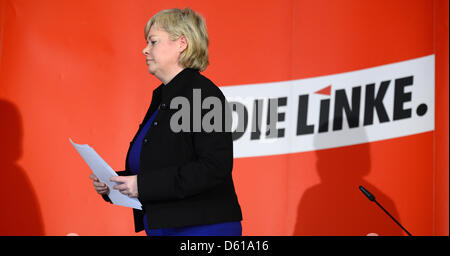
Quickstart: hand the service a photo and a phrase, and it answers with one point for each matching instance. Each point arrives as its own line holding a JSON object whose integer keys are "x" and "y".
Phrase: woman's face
{"x": 161, "y": 53}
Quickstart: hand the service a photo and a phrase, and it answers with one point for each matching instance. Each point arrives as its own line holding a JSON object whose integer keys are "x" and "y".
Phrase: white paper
{"x": 104, "y": 172}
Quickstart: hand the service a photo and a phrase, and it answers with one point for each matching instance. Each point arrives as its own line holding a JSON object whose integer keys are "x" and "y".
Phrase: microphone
{"x": 367, "y": 193}
{"x": 372, "y": 198}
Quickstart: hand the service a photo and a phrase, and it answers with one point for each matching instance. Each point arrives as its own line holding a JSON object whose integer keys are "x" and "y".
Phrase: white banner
{"x": 373, "y": 104}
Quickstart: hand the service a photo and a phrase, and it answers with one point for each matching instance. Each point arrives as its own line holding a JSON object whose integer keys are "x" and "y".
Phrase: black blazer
{"x": 185, "y": 177}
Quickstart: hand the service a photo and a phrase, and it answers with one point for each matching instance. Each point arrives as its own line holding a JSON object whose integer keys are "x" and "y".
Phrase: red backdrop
{"x": 75, "y": 69}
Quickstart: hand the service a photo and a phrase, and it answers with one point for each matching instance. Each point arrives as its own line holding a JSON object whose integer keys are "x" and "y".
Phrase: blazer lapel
{"x": 163, "y": 94}
{"x": 156, "y": 99}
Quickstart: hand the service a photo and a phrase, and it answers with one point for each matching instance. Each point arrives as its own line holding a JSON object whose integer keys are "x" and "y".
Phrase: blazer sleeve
{"x": 213, "y": 165}
{"x": 120, "y": 173}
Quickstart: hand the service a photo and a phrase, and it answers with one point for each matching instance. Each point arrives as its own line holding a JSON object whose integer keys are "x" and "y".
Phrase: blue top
{"x": 135, "y": 153}
{"x": 134, "y": 160}
{"x": 223, "y": 229}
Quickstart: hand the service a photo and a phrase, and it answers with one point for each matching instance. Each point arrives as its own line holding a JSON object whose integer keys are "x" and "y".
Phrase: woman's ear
{"x": 183, "y": 43}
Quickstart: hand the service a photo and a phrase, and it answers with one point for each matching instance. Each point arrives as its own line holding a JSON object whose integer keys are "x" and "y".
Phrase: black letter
{"x": 256, "y": 120}
{"x": 241, "y": 127}
{"x": 302, "y": 127}
{"x": 272, "y": 131}
{"x": 341, "y": 103}
{"x": 324, "y": 115}
{"x": 401, "y": 97}
{"x": 375, "y": 102}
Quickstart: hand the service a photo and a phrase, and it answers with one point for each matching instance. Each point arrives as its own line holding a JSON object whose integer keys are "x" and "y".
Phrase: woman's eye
{"x": 152, "y": 42}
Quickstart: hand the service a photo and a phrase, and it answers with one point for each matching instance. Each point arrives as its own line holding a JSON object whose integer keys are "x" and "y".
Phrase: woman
{"x": 182, "y": 178}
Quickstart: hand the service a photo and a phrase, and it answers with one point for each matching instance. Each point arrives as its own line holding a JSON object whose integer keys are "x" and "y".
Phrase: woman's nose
{"x": 145, "y": 51}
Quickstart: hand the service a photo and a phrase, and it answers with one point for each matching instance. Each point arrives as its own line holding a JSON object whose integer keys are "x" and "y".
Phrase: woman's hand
{"x": 100, "y": 187}
{"x": 128, "y": 186}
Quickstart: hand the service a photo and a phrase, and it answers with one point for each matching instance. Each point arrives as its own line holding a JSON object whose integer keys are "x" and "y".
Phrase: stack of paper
{"x": 104, "y": 172}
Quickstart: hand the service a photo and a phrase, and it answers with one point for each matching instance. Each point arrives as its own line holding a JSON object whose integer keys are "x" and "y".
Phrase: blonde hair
{"x": 178, "y": 22}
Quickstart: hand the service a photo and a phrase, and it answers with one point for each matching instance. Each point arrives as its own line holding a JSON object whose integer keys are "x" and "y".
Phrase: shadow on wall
{"x": 20, "y": 213}
{"x": 336, "y": 206}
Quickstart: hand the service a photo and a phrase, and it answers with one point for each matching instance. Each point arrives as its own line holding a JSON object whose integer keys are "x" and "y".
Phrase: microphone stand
{"x": 372, "y": 198}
